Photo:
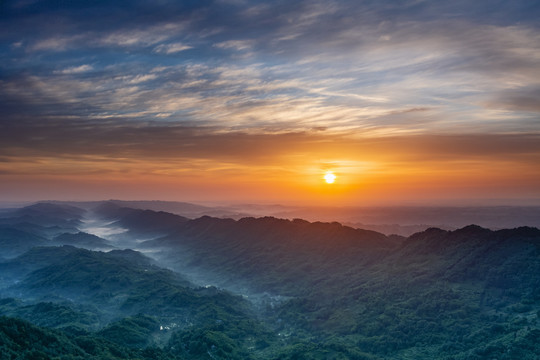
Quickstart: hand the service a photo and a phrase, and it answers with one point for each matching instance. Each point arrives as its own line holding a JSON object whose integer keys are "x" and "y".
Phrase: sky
{"x": 405, "y": 102}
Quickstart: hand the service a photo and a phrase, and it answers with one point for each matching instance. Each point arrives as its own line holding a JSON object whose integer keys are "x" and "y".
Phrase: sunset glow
{"x": 423, "y": 102}
{"x": 329, "y": 178}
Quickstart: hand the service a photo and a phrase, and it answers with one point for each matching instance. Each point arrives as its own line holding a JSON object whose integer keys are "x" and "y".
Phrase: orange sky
{"x": 289, "y": 169}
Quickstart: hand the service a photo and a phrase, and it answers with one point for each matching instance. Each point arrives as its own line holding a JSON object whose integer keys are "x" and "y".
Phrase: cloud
{"x": 123, "y": 138}
{"x": 136, "y": 79}
{"x": 171, "y": 48}
{"x": 238, "y": 45}
{"x": 134, "y": 37}
{"x": 56, "y": 43}
{"x": 76, "y": 69}
{"x": 519, "y": 99}
{"x": 347, "y": 67}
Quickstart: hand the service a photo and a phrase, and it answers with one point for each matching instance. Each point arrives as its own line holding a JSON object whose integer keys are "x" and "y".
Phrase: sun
{"x": 330, "y": 177}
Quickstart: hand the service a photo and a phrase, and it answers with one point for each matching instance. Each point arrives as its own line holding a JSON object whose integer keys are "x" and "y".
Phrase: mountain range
{"x": 160, "y": 285}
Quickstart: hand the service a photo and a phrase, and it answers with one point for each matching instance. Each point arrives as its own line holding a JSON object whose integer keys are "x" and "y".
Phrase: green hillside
{"x": 297, "y": 290}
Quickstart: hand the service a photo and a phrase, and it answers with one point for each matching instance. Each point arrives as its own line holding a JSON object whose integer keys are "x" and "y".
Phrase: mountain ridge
{"x": 284, "y": 289}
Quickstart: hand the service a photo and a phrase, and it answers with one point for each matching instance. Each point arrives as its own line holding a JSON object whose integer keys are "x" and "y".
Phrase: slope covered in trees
{"x": 303, "y": 291}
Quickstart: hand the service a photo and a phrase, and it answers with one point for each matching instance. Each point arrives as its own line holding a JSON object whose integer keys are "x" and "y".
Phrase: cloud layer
{"x": 259, "y": 86}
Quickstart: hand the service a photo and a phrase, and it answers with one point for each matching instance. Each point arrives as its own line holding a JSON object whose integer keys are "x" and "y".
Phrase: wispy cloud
{"x": 518, "y": 99}
{"x": 76, "y": 69}
{"x": 237, "y": 45}
{"x": 171, "y": 48}
{"x": 55, "y": 43}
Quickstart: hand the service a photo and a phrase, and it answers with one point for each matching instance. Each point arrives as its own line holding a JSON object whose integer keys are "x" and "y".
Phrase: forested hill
{"x": 111, "y": 305}
{"x": 290, "y": 289}
{"x": 464, "y": 294}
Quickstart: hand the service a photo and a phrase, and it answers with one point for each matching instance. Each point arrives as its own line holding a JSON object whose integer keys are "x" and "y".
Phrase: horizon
{"x": 454, "y": 203}
{"x": 389, "y": 220}
{"x": 398, "y": 104}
